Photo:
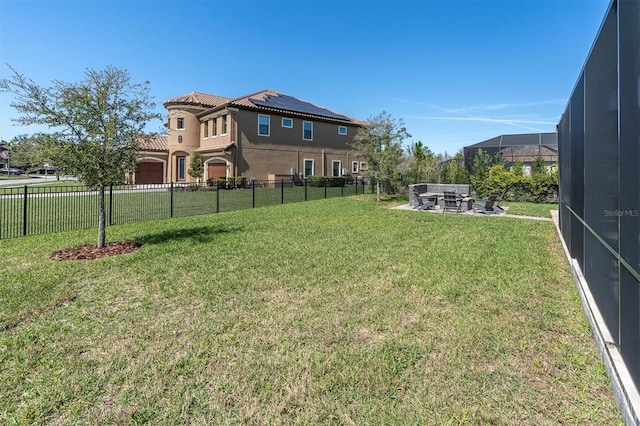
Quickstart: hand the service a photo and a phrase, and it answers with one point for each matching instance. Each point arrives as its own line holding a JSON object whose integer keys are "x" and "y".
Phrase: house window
{"x": 307, "y": 130}
{"x": 206, "y": 129}
{"x": 263, "y": 124}
{"x": 224, "y": 124}
{"x": 335, "y": 168}
{"x": 182, "y": 168}
{"x": 214, "y": 127}
{"x": 287, "y": 122}
{"x": 308, "y": 167}
{"x": 354, "y": 167}
{"x": 342, "y": 130}
{"x": 180, "y": 123}
{"x": 363, "y": 165}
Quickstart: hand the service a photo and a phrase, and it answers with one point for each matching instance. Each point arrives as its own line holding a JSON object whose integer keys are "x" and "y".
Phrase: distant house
{"x": 264, "y": 135}
{"x": 524, "y": 147}
{"x": 5, "y": 153}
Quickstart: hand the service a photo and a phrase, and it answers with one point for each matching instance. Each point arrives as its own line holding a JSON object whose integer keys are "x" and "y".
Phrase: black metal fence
{"x": 599, "y": 147}
{"x": 32, "y": 210}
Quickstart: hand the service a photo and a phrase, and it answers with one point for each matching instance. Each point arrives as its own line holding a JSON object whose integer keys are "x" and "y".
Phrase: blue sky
{"x": 457, "y": 72}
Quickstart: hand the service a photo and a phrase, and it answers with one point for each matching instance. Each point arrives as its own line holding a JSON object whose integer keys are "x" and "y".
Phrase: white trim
{"x": 218, "y": 159}
{"x": 355, "y": 169}
{"x": 178, "y": 157}
{"x": 303, "y": 130}
{"x": 268, "y": 125}
{"x": 304, "y": 166}
{"x": 363, "y": 165}
{"x": 345, "y": 130}
{"x": 333, "y": 162}
{"x": 153, "y": 160}
{"x": 287, "y": 118}
{"x": 225, "y": 124}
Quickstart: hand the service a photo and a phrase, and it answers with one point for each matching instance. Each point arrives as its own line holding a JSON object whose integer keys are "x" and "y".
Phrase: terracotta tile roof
{"x": 198, "y": 99}
{"x": 265, "y": 100}
{"x": 156, "y": 143}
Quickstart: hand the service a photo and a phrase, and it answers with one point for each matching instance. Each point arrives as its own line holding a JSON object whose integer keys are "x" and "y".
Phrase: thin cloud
{"x": 482, "y": 119}
{"x": 481, "y": 107}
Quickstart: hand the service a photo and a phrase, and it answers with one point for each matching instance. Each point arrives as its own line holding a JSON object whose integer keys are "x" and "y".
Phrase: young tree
{"x": 422, "y": 161}
{"x": 538, "y": 166}
{"x": 96, "y": 124}
{"x": 27, "y": 152}
{"x": 196, "y": 169}
{"x": 379, "y": 142}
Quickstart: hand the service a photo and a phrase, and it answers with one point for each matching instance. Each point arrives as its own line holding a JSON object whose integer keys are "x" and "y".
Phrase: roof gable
{"x": 198, "y": 99}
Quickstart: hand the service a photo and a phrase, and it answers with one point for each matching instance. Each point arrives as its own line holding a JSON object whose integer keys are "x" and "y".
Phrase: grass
{"x": 530, "y": 209}
{"x": 324, "y": 312}
{"x": 66, "y": 208}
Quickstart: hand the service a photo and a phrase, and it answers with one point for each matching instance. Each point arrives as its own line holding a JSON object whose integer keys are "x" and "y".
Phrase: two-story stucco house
{"x": 265, "y": 135}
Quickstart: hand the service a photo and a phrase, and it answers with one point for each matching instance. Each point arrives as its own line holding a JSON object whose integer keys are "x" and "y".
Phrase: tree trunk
{"x": 102, "y": 233}
{"x": 378, "y": 198}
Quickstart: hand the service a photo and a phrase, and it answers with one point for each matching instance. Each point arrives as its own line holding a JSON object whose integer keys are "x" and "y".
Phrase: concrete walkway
{"x": 472, "y": 213}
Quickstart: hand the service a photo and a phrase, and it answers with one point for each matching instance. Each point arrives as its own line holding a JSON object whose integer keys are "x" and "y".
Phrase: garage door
{"x": 149, "y": 172}
{"x": 216, "y": 170}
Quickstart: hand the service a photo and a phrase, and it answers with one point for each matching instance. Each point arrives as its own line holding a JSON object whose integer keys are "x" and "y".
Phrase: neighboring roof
{"x": 156, "y": 143}
{"x": 264, "y": 100}
{"x": 529, "y": 154}
{"x": 198, "y": 99}
{"x": 4, "y": 151}
{"x": 525, "y": 139}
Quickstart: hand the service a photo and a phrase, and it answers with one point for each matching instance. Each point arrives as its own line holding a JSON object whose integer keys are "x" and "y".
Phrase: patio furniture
{"x": 422, "y": 203}
{"x": 498, "y": 199}
{"x": 451, "y": 202}
{"x": 488, "y": 206}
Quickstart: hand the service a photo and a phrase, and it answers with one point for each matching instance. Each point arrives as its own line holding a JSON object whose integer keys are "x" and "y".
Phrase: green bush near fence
{"x": 318, "y": 181}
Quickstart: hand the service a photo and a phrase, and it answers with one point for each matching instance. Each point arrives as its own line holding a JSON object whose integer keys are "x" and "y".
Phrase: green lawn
{"x": 66, "y": 208}
{"x": 530, "y": 209}
{"x": 335, "y": 311}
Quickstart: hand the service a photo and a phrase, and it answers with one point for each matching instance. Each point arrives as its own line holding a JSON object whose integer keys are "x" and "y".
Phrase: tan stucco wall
{"x": 220, "y": 138}
{"x": 190, "y": 138}
{"x": 285, "y": 148}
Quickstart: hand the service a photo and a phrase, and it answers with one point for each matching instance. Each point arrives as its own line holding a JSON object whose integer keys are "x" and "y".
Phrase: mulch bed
{"x": 91, "y": 251}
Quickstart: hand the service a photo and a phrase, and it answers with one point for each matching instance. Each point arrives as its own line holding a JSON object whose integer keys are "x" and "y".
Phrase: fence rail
{"x": 32, "y": 210}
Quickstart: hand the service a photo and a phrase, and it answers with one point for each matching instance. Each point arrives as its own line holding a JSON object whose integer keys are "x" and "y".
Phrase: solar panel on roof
{"x": 289, "y": 103}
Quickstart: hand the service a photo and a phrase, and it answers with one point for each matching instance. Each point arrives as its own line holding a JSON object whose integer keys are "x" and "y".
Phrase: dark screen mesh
{"x": 599, "y": 143}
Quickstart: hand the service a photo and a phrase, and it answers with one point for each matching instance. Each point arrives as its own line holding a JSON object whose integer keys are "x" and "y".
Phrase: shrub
{"x": 319, "y": 181}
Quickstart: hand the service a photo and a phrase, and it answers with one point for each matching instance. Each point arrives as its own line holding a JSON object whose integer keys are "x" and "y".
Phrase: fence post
{"x": 110, "y": 205}
{"x": 325, "y": 187}
{"x": 217, "y": 198}
{"x": 282, "y": 191}
{"x": 305, "y": 190}
{"x": 253, "y": 194}
{"x": 342, "y": 188}
{"x": 24, "y": 211}
{"x": 171, "y": 200}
